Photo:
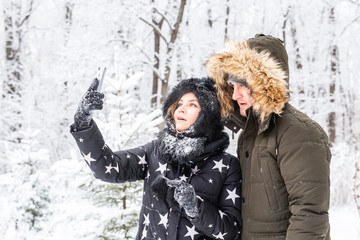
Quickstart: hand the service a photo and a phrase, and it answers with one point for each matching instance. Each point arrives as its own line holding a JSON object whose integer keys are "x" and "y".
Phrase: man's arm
{"x": 304, "y": 160}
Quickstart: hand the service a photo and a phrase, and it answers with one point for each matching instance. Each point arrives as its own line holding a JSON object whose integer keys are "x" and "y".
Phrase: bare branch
{"x": 353, "y": 21}
{"x": 142, "y": 51}
{"x": 28, "y": 13}
{"x": 178, "y": 21}
{"x": 166, "y": 20}
{"x": 131, "y": 42}
{"x": 157, "y": 30}
{"x": 354, "y": 2}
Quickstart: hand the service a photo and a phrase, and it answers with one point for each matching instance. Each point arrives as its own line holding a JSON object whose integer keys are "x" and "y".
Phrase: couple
{"x": 193, "y": 189}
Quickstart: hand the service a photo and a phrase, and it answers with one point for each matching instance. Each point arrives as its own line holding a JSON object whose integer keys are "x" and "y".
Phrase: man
{"x": 284, "y": 155}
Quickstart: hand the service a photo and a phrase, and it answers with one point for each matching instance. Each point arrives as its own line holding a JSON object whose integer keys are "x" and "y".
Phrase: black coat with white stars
{"x": 215, "y": 176}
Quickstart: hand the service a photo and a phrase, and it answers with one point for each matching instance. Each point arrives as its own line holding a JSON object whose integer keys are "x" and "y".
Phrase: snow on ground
{"x": 345, "y": 223}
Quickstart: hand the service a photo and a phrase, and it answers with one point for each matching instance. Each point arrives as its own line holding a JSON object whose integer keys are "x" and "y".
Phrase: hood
{"x": 262, "y": 63}
{"x": 209, "y": 123}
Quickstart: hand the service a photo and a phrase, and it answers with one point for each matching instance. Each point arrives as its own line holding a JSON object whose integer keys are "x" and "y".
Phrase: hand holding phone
{"x": 100, "y": 77}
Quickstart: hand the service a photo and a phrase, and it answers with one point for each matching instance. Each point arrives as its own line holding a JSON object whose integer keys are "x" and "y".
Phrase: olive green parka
{"x": 284, "y": 155}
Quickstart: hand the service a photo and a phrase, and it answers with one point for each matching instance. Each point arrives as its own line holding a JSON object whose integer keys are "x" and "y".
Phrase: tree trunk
{"x": 15, "y": 23}
{"x": 357, "y": 186}
{"x": 154, "y": 98}
{"x": 227, "y": 20}
{"x": 334, "y": 61}
{"x": 13, "y": 64}
{"x": 174, "y": 34}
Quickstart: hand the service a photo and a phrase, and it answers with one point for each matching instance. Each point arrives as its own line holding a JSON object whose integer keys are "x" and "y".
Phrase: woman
{"x": 192, "y": 188}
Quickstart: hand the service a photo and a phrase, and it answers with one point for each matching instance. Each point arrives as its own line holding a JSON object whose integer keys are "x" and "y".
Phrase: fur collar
{"x": 264, "y": 75}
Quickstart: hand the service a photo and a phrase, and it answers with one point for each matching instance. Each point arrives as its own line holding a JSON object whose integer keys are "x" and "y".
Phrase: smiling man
{"x": 284, "y": 155}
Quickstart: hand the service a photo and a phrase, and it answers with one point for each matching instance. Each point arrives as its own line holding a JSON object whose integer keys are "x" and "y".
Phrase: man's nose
{"x": 236, "y": 93}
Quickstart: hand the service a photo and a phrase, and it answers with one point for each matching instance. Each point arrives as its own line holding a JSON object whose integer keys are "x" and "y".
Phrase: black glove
{"x": 185, "y": 195}
{"x": 92, "y": 100}
{"x": 162, "y": 191}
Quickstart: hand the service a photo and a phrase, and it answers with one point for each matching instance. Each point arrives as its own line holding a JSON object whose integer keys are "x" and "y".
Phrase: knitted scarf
{"x": 178, "y": 147}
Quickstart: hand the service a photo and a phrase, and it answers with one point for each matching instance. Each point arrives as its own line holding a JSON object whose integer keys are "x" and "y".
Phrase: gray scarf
{"x": 178, "y": 148}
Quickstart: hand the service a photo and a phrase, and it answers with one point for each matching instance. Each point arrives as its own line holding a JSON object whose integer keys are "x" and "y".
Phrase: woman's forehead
{"x": 190, "y": 96}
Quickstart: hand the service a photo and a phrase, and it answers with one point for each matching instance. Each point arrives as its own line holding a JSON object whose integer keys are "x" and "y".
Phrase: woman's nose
{"x": 181, "y": 109}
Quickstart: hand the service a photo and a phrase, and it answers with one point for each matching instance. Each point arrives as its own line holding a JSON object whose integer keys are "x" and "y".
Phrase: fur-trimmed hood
{"x": 261, "y": 62}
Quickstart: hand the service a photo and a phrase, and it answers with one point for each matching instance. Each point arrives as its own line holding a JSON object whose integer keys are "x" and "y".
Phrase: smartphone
{"x": 100, "y": 77}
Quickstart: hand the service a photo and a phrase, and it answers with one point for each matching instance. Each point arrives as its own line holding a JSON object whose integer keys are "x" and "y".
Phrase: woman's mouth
{"x": 180, "y": 119}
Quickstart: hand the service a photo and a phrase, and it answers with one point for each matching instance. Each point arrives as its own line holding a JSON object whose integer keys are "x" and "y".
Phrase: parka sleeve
{"x": 223, "y": 220}
{"x": 109, "y": 166}
{"x": 304, "y": 160}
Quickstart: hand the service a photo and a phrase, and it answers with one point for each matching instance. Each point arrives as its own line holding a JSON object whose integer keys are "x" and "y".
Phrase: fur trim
{"x": 264, "y": 75}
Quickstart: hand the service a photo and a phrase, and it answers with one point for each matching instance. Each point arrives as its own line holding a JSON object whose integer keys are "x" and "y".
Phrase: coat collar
{"x": 236, "y": 121}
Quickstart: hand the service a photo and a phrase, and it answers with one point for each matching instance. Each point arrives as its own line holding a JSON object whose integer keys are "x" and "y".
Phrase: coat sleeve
{"x": 304, "y": 160}
{"x": 223, "y": 220}
{"x": 109, "y": 166}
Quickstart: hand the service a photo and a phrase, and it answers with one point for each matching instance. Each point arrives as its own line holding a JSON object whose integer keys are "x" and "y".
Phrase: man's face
{"x": 243, "y": 97}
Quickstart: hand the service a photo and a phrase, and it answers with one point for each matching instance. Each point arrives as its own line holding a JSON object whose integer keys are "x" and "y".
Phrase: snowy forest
{"x": 50, "y": 52}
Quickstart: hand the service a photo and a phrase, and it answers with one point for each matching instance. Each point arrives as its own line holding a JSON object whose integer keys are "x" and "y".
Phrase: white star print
{"x": 221, "y": 214}
{"x": 128, "y": 156}
{"x": 219, "y": 235}
{"x": 81, "y": 140}
{"x": 88, "y": 158}
{"x": 219, "y": 165}
{"x": 142, "y": 160}
{"x": 162, "y": 168}
{"x": 211, "y": 181}
{"x": 144, "y": 233}
{"x": 210, "y": 226}
{"x": 117, "y": 167}
{"x": 232, "y": 195}
{"x": 195, "y": 169}
{"x": 183, "y": 178}
{"x": 199, "y": 198}
{"x": 191, "y": 232}
{"x": 108, "y": 168}
{"x": 163, "y": 220}
{"x": 147, "y": 220}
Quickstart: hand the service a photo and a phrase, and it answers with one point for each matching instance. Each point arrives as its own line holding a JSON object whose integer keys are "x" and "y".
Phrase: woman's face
{"x": 187, "y": 112}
